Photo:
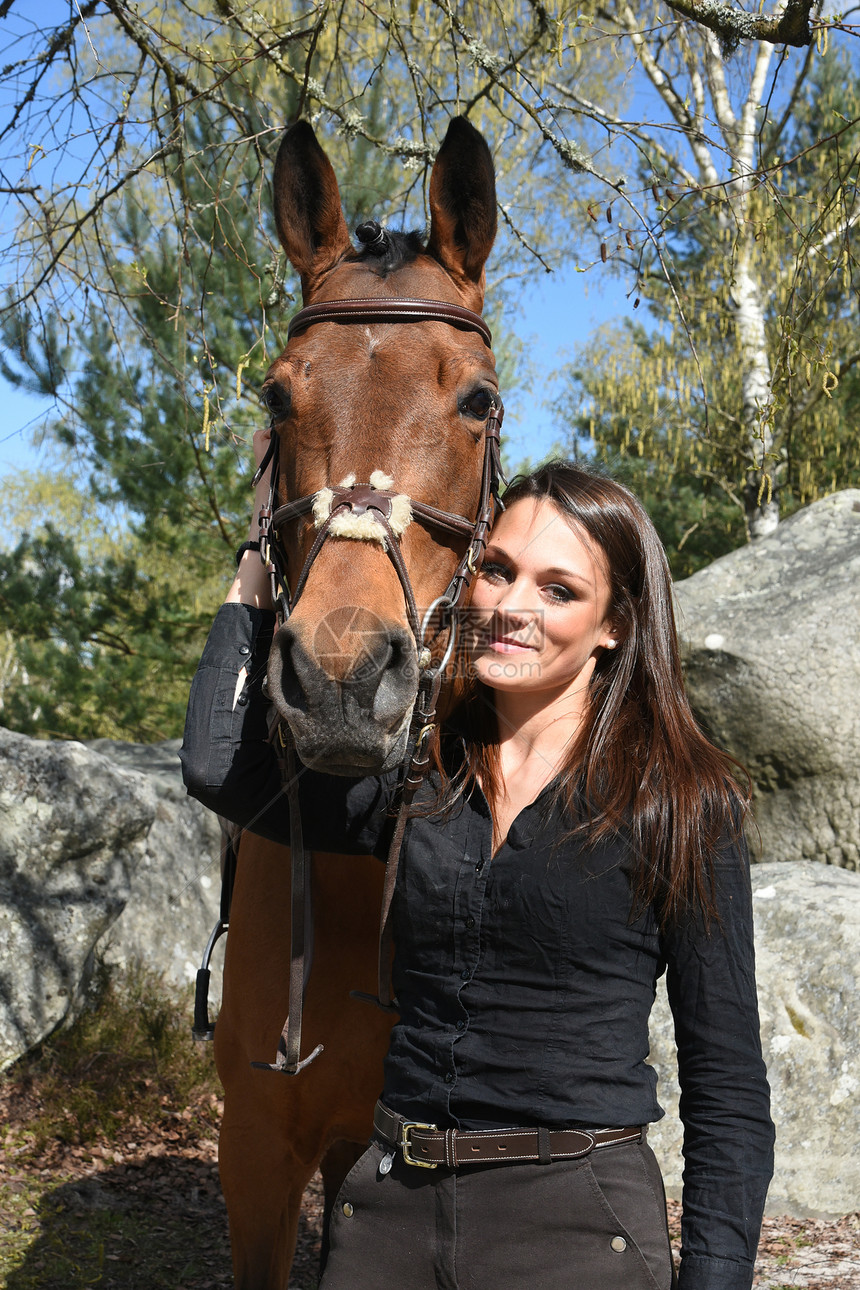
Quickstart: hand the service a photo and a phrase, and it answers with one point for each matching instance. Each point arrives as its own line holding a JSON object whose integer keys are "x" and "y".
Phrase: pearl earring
{"x": 611, "y": 644}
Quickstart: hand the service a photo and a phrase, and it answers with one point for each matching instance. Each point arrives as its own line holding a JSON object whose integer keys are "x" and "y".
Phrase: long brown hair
{"x": 640, "y": 763}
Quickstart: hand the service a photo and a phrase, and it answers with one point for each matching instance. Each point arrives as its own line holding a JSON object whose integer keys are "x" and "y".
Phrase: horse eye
{"x": 478, "y": 404}
{"x": 276, "y": 400}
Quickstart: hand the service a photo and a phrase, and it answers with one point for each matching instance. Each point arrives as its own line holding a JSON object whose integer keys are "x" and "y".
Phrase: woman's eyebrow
{"x": 569, "y": 573}
{"x": 499, "y": 553}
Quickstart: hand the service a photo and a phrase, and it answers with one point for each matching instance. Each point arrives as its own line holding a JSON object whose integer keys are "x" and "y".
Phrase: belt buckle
{"x": 406, "y": 1146}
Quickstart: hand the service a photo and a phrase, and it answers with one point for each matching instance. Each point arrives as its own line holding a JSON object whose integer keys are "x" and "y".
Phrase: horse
{"x": 409, "y": 399}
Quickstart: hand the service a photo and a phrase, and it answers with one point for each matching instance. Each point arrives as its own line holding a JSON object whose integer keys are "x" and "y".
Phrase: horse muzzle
{"x": 346, "y": 690}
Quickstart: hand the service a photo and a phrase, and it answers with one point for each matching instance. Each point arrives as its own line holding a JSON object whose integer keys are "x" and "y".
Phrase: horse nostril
{"x": 354, "y": 666}
{"x": 373, "y": 663}
{"x": 290, "y": 671}
{"x": 397, "y": 681}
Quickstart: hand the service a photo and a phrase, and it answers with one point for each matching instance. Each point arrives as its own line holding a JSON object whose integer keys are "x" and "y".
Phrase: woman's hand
{"x": 252, "y": 585}
{"x": 261, "y": 441}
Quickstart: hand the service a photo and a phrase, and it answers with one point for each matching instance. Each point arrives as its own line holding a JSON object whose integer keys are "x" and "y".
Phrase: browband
{"x": 389, "y": 310}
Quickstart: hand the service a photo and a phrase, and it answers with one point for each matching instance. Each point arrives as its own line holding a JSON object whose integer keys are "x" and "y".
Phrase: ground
{"x": 108, "y": 1169}
{"x": 145, "y": 1212}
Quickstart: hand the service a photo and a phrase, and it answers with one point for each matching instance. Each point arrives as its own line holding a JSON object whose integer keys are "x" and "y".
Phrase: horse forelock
{"x": 402, "y": 247}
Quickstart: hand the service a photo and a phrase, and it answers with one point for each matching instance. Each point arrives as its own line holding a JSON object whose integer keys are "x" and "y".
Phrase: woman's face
{"x": 540, "y": 603}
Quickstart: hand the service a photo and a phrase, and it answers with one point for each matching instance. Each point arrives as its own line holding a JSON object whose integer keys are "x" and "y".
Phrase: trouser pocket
{"x": 384, "y": 1228}
{"x": 627, "y": 1183}
{"x": 552, "y": 1227}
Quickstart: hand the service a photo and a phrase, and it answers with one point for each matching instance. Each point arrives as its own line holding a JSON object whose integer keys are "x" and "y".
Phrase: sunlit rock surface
{"x": 72, "y": 831}
{"x": 771, "y": 643}
{"x": 808, "y": 969}
{"x": 175, "y": 892}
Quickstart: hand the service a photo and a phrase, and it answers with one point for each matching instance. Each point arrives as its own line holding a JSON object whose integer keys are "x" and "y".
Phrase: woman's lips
{"x": 506, "y": 645}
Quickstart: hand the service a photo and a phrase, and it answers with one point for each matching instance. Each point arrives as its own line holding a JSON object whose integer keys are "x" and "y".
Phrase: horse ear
{"x": 308, "y": 214}
{"x": 462, "y": 202}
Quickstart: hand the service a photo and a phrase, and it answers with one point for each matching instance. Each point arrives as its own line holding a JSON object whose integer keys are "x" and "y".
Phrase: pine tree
{"x": 105, "y": 629}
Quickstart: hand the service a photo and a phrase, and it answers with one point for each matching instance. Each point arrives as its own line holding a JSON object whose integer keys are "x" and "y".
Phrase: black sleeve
{"x": 229, "y": 765}
{"x": 725, "y": 1099}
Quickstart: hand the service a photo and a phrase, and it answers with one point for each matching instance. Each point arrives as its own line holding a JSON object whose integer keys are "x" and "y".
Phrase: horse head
{"x": 375, "y": 414}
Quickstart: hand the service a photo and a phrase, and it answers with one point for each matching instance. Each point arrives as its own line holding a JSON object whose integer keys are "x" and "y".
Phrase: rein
{"x": 376, "y": 503}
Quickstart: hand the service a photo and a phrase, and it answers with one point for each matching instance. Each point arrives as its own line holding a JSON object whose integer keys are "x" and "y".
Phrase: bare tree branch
{"x": 731, "y": 26}
{"x": 61, "y": 41}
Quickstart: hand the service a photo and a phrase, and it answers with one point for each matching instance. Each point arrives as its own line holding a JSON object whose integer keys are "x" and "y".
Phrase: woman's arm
{"x": 228, "y": 761}
{"x": 725, "y": 1099}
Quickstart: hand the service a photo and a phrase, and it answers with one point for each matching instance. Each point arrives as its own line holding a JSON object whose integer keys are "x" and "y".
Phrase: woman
{"x": 579, "y": 836}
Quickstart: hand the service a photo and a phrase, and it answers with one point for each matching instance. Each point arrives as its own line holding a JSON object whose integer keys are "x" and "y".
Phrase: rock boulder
{"x": 175, "y": 891}
{"x": 771, "y": 642}
{"x": 808, "y": 968}
{"x": 71, "y": 831}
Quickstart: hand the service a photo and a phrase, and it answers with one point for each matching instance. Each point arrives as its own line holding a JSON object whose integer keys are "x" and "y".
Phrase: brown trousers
{"x": 593, "y": 1224}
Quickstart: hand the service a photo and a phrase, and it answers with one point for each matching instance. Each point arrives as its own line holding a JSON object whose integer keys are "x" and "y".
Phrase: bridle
{"x": 360, "y": 499}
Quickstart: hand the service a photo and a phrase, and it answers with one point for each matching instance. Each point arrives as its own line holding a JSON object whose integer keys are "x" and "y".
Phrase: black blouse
{"x": 523, "y": 986}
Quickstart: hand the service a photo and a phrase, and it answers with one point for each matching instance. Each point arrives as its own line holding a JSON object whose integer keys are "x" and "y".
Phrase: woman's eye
{"x": 276, "y": 401}
{"x": 478, "y": 404}
{"x": 493, "y": 571}
{"x": 556, "y": 592}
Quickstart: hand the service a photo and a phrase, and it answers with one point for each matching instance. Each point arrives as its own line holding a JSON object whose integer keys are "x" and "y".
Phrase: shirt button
{"x": 470, "y": 922}
{"x": 466, "y": 974}
{"x": 244, "y": 649}
{"x": 479, "y": 866}
{"x": 449, "y": 1078}
{"x": 618, "y": 1244}
{"x": 242, "y": 700}
{"x": 348, "y": 1210}
{"x": 461, "y": 1025}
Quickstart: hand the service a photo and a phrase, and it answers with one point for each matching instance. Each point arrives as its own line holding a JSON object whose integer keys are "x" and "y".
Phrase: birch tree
{"x": 721, "y": 165}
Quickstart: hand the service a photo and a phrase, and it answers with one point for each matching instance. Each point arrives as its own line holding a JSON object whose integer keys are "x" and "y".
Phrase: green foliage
{"x": 652, "y": 447}
{"x": 42, "y": 357}
{"x": 103, "y": 632}
{"x": 101, "y": 649}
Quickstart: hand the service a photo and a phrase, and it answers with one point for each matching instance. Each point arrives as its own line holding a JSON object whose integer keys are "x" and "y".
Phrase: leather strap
{"x": 424, "y": 720}
{"x": 401, "y": 309}
{"x": 288, "y": 1059}
{"x": 426, "y": 1145}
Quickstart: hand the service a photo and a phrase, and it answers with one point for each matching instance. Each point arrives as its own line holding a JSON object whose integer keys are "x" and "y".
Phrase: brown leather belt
{"x": 428, "y": 1147}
